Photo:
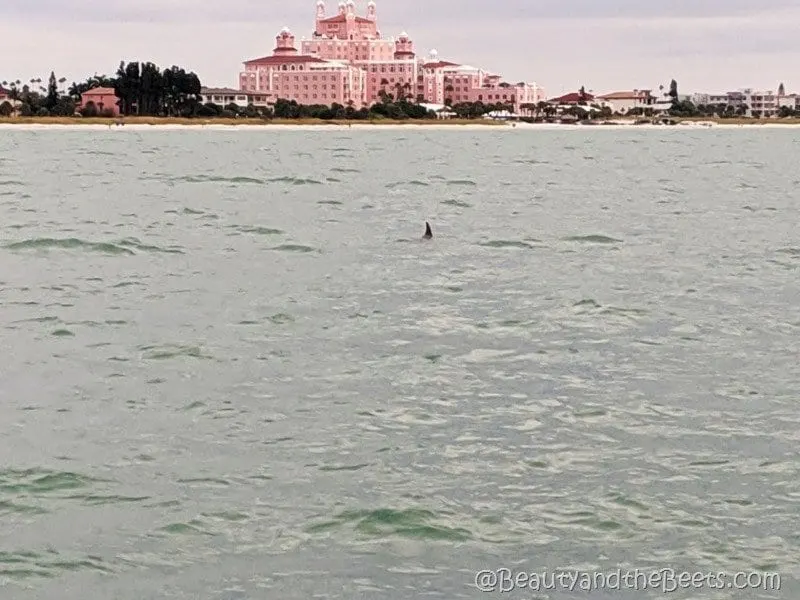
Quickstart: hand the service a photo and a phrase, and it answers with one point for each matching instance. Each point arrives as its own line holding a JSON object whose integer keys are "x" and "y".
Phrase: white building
{"x": 623, "y": 102}
{"x": 748, "y": 102}
{"x": 225, "y": 96}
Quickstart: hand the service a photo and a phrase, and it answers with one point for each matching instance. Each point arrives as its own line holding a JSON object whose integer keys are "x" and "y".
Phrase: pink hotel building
{"x": 348, "y": 62}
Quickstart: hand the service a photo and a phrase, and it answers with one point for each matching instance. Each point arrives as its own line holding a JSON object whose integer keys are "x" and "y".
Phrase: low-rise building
{"x": 745, "y": 102}
{"x": 102, "y": 98}
{"x": 625, "y": 101}
{"x": 225, "y": 96}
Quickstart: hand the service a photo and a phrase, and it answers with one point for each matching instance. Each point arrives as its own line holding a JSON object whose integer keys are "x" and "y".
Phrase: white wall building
{"x": 226, "y": 96}
{"x": 748, "y": 102}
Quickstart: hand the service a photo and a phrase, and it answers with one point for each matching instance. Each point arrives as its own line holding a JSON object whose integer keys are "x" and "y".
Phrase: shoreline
{"x": 145, "y": 123}
{"x": 234, "y": 123}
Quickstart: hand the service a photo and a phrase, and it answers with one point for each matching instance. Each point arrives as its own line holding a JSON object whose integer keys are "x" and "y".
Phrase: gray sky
{"x": 706, "y": 45}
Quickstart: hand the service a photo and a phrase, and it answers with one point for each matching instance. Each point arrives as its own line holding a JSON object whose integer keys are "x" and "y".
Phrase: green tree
{"x": 673, "y": 90}
{"x": 781, "y": 90}
{"x": 52, "y": 93}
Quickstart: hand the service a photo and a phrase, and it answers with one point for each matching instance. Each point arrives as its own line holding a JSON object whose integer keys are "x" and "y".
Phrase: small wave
{"x": 593, "y": 239}
{"x": 68, "y": 244}
{"x": 190, "y": 211}
{"x": 133, "y": 242}
{"x": 168, "y": 351}
{"x": 331, "y": 202}
{"x": 506, "y": 244}
{"x": 96, "y": 153}
{"x": 587, "y": 303}
{"x": 36, "y": 482}
{"x": 193, "y": 527}
{"x": 218, "y": 179}
{"x": 458, "y": 203}
{"x": 385, "y": 522}
{"x": 344, "y": 170}
{"x": 257, "y": 230}
{"x": 26, "y": 564}
{"x": 281, "y": 319}
{"x": 295, "y": 181}
{"x": 467, "y": 182}
{"x": 295, "y": 248}
{"x": 413, "y": 182}
{"x": 530, "y": 161}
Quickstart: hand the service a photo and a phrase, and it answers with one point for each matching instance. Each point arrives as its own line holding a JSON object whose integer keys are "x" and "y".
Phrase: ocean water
{"x": 232, "y": 370}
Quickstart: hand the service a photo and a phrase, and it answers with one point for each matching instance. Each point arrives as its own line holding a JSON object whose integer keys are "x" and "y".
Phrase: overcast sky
{"x": 706, "y": 45}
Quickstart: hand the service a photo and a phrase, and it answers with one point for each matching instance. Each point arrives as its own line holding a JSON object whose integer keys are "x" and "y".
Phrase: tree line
{"x": 142, "y": 89}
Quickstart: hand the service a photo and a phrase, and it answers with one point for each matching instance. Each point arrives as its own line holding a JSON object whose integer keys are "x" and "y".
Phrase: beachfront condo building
{"x": 347, "y": 61}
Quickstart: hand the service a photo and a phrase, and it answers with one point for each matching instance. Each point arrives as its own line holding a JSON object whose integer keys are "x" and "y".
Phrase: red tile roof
{"x": 573, "y": 98}
{"x": 343, "y": 19}
{"x": 439, "y": 64}
{"x": 101, "y": 91}
{"x": 282, "y": 60}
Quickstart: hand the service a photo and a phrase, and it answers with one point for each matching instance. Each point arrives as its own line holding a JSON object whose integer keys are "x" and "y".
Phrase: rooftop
{"x": 229, "y": 91}
{"x": 573, "y": 98}
{"x": 101, "y": 91}
{"x": 631, "y": 95}
{"x": 343, "y": 19}
{"x": 439, "y": 64}
{"x": 282, "y": 60}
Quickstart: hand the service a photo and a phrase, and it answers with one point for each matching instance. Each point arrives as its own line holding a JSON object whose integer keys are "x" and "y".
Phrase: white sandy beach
{"x": 373, "y": 127}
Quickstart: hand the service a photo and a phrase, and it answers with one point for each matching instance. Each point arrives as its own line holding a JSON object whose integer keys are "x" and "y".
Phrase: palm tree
{"x": 542, "y": 107}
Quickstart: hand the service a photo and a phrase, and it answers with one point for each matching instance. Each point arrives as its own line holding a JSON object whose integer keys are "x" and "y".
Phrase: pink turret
{"x": 284, "y": 43}
{"x": 403, "y": 47}
{"x": 320, "y": 14}
{"x": 372, "y": 15}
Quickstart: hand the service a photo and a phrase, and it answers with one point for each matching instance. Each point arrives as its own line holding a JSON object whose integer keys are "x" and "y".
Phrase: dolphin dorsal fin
{"x": 428, "y": 233}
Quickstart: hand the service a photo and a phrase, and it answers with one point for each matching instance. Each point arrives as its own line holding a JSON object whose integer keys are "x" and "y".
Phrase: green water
{"x": 231, "y": 369}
